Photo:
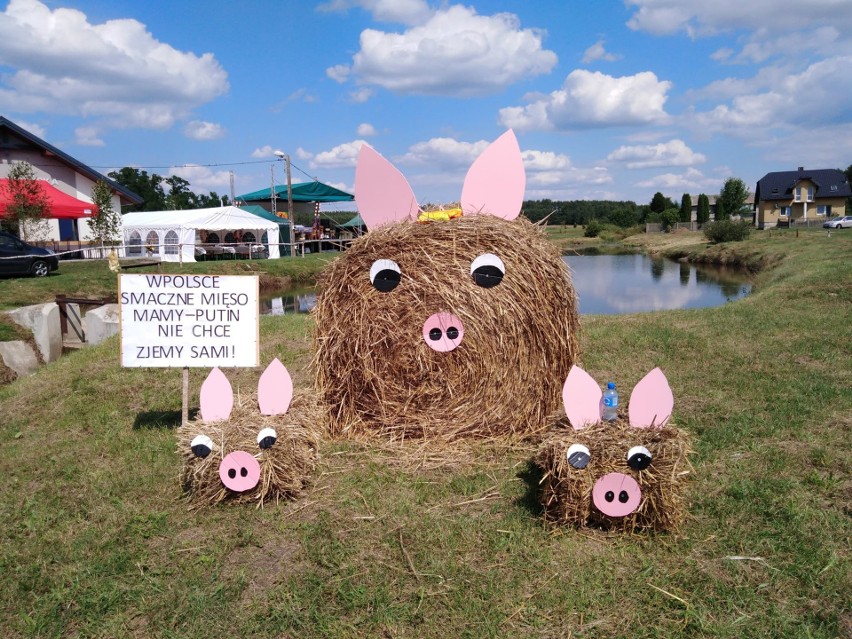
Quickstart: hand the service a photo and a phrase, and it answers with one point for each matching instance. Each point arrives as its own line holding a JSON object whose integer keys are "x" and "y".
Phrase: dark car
{"x": 19, "y": 258}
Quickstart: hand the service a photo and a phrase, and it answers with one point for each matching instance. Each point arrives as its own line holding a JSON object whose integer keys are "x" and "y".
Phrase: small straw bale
{"x": 286, "y": 467}
{"x": 375, "y": 372}
{"x": 566, "y": 492}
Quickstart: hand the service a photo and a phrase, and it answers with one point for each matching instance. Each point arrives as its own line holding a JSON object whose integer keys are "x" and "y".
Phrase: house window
{"x": 798, "y": 194}
{"x": 152, "y": 243}
{"x": 833, "y": 187}
{"x": 786, "y": 210}
{"x": 824, "y": 210}
{"x": 810, "y": 194}
{"x": 134, "y": 244}
{"x": 171, "y": 243}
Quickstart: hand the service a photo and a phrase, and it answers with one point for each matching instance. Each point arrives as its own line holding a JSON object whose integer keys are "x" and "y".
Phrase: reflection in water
{"x": 606, "y": 285}
{"x": 612, "y": 284}
{"x": 293, "y": 301}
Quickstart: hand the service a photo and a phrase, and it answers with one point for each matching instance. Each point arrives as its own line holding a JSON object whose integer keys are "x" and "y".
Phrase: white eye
{"x": 201, "y": 446}
{"x": 487, "y": 270}
{"x": 638, "y": 458}
{"x": 578, "y": 456}
{"x": 266, "y": 437}
{"x": 385, "y": 275}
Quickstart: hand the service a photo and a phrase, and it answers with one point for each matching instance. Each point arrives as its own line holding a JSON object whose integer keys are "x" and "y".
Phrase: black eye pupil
{"x": 452, "y": 332}
{"x": 578, "y": 460}
{"x": 623, "y": 496}
{"x": 609, "y": 496}
{"x": 639, "y": 461}
{"x": 243, "y": 472}
{"x": 200, "y": 450}
{"x": 232, "y": 473}
{"x": 386, "y": 280}
{"x": 435, "y": 334}
{"x": 487, "y": 276}
{"x": 267, "y": 442}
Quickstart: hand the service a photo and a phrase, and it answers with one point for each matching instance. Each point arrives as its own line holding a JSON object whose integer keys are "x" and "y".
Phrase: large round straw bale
{"x": 566, "y": 492}
{"x": 375, "y": 371}
{"x": 286, "y": 467}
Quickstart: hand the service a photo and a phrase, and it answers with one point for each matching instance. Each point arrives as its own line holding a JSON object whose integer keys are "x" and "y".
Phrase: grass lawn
{"x": 419, "y": 542}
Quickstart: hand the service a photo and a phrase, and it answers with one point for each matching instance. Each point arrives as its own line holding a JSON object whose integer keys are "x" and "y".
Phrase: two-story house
{"x": 792, "y": 196}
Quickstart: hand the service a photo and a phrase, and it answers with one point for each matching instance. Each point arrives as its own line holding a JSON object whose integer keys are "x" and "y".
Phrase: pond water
{"x": 606, "y": 285}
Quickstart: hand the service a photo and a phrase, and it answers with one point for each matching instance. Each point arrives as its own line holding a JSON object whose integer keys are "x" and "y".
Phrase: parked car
{"x": 19, "y": 258}
{"x": 838, "y": 223}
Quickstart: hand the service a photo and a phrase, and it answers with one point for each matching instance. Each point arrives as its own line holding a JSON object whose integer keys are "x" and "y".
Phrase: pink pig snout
{"x": 443, "y": 332}
{"x": 239, "y": 471}
{"x": 616, "y": 495}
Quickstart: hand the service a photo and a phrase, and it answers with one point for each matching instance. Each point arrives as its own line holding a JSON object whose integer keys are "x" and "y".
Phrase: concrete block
{"x": 101, "y": 323}
{"x": 43, "y": 321}
{"x": 20, "y": 357}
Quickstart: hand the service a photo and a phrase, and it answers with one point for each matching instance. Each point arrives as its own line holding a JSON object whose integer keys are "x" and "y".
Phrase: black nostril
{"x": 232, "y": 473}
{"x": 435, "y": 334}
{"x": 609, "y": 496}
{"x": 623, "y": 497}
{"x": 452, "y": 332}
{"x": 244, "y": 472}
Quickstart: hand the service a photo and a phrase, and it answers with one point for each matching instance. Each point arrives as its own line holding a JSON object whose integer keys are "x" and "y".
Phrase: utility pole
{"x": 290, "y": 206}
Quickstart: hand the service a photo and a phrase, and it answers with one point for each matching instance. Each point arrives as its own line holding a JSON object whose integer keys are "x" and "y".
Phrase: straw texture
{"x": 374, "y": 370}
{"x": 566, "y": 492}
{"x": 285, "y": 468}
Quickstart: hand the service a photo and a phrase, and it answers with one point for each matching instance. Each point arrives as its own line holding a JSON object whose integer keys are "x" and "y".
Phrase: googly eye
{"x": 266, "y": 437}
{"x": 201, "y": 446}
{"x": 487, "y": 270}
{"x": 638, "y": 458}
{"x": 578, "y": 456}
{"x": 385, "y": 275}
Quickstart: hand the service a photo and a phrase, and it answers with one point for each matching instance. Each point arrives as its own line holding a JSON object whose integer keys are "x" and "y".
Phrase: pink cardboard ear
{"x": 382, "y": 193}
{"x": 216, "y": 397}
{"x": 496, "y": 181}
{"x": 275, "y": 389}
{"x": 581, "y": 396}
{"x": 651, "y": 401}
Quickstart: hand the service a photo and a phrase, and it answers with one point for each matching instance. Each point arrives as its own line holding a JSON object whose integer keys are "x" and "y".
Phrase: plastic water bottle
{"x": 609, "y": 404}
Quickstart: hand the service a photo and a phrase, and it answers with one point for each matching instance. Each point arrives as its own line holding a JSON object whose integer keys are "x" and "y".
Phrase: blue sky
{"x": 609, "y": 99}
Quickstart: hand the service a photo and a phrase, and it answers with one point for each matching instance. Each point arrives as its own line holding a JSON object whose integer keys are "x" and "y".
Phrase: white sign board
{"x": 189, "y": 320}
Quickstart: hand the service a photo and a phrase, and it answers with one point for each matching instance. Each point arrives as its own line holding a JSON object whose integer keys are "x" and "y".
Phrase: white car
{"x": 838, "y": 223}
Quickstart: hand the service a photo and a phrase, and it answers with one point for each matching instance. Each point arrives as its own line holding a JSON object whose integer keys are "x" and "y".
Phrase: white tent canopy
{"x": 173, "y": 234}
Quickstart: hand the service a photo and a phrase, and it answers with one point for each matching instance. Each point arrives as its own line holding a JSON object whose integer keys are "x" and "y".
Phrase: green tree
{"x": 703, "y": 214}
{"x": 733, "y": 197}
{"x": 180, "y": 196}
{"x": 660, "y": 203}
{"x": 28, "y": 203}
{"x": 721, "y": 213}
{"x": 106, "y": 223}
{"x": 148, "y": 187}
{"x": 848, "y": 174}
{"x": 686, "y": 208}
{"x": 669, "y": 218}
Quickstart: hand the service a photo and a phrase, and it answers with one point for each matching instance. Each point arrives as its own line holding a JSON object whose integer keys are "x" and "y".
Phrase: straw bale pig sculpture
{"x": 621, "y": 475}
{"x": 232, "y": 453}
{"x": 445, "y": 324}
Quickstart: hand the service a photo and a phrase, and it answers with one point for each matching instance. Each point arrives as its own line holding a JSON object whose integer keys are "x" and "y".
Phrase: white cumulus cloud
{"x": 88, "y": 136}
{"x": 343, "y": 155}
{"x": 598, "y": 52}
{"x": 593, "y": 99}
{"x": 366, "y": 130}
{"x": 672, "y": 153}
{"x": 59, "y": 62}
{"x": 403, "y": 11}
{"x": 203, "y": 180}
{"x": 200, "y": 130}
{"x": 454, "y": 52}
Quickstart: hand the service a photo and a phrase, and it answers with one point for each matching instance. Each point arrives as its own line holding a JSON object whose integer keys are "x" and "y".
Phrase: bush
{"x": 727, "y": 231}
{"x": 593, "y": 228}
{"x": 669, "y": 218}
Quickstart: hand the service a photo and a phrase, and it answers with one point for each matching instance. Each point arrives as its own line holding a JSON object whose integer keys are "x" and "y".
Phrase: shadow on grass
{"x": 150, "y": 419}
{"x": 531, "y": 475}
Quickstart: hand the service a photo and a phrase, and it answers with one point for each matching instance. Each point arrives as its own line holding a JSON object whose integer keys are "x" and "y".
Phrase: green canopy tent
{"x": 314, "y": 191}
{"x": 355, "y": 222}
